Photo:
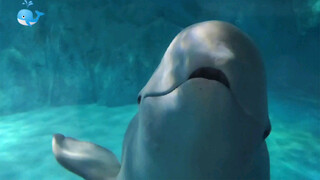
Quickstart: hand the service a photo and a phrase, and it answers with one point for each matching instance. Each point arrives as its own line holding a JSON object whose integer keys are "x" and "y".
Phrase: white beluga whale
{"x": 202, "y": 115}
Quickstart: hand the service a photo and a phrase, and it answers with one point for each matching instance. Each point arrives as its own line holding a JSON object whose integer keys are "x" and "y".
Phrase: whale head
{"x": 218, "y": 53}
{"x": 207, "y": 99}
{"x": 24, "y": 16}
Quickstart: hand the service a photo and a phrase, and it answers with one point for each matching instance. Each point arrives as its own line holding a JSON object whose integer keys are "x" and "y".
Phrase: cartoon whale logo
{"x": 25, "y": 17}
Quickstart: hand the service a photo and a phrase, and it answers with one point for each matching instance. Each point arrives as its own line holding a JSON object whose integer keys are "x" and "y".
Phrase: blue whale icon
{"x": 25, "y": 17}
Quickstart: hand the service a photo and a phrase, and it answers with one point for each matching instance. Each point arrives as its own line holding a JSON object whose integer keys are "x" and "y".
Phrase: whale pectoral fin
{"x": 28, "y": 23}
{"x": 90, "y": 161}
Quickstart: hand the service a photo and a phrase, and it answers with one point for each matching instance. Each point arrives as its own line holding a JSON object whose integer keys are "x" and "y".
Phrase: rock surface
{"x": 104, "y": 51}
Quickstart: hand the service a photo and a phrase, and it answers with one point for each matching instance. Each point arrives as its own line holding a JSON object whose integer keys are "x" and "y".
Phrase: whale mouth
{"x": 23, "y": 22}
{"x": 210, "y": 74}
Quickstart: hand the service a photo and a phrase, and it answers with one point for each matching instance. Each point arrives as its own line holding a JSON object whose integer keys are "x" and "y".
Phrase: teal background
{"x": 79, "y": 69}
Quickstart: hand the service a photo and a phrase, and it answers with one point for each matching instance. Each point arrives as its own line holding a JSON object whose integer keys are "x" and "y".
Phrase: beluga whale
{"x": 202, "y": 115}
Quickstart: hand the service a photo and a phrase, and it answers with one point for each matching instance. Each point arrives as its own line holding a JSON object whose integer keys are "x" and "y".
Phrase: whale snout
{"x": 57, "y": 141}
{"x": 206, "y": 73}
{"x": 58, "y": 137}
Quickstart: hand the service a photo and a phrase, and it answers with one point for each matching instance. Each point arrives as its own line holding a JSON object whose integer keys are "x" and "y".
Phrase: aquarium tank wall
{"x": 79, "y": 70}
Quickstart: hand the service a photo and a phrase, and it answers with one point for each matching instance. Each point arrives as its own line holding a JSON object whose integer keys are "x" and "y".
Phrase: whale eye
{"x": 267, "y": 132}
{"x": 139, "y": 99}
{"x": 23, "y": 17}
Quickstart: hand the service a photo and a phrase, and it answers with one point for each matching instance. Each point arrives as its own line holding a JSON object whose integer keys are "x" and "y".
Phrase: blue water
{"x": 25, "y": 145}
{"x": 26, "y": 137}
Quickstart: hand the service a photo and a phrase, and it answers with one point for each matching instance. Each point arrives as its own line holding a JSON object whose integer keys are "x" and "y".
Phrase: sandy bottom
{"x": 25, "y": 138}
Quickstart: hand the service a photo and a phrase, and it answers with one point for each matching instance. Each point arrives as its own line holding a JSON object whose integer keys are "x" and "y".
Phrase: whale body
{"x": 25, "y": 17}
{"x": 202, "y": 115}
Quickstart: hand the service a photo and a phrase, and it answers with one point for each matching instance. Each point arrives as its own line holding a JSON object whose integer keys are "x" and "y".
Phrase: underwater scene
{"x": 86, "y": 69}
